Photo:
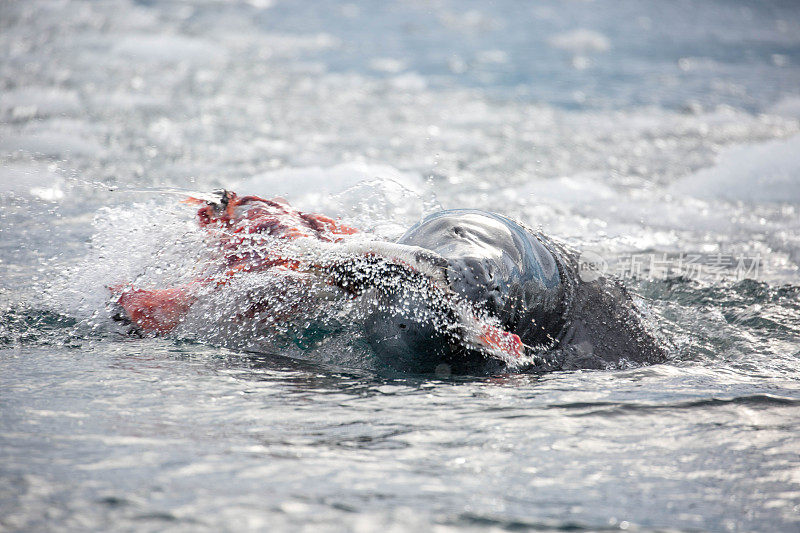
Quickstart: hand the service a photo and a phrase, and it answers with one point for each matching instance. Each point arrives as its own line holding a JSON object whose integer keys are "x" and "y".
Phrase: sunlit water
{"x": 630, "y": 129}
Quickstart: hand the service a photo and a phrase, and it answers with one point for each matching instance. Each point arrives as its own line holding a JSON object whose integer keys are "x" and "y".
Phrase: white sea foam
{"x": 32, "y": 179}
{"x": 788, "y": 106}
{"x": 580, "y": 41}
{"x": 39, "y": 101}
{"x": 169, "y": 48}
{"x": 765, "y": 172}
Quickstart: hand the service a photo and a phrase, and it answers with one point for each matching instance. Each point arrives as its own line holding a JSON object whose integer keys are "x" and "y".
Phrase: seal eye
{"x": 402, "y": 326}
{"x": 459, "y": 231}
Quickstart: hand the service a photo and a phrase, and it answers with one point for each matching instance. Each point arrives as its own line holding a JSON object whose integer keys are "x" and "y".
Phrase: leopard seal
{"x": 470, "y": 290}
{"x": 527, "y": 281}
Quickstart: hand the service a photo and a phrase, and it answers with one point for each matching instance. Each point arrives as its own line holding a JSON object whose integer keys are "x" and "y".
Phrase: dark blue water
{"x": 635, "y": 130}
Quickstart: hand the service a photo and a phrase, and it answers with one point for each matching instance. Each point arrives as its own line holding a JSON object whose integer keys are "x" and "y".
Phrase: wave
{"x": 622, "y": 408}
{"x": 763, "y": 172}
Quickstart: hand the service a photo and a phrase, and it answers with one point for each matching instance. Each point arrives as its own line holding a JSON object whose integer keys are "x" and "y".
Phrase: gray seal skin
{"x": 527, "y": 281}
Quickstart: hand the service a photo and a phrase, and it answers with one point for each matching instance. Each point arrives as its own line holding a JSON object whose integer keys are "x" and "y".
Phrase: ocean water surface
{"x": 659, "y": 138}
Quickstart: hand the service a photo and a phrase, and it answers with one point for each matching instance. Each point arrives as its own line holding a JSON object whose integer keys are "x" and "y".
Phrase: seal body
{"x": 526, "y": 281}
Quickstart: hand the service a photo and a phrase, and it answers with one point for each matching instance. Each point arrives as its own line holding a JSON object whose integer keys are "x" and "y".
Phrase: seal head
{"x": 499, "y": 267}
